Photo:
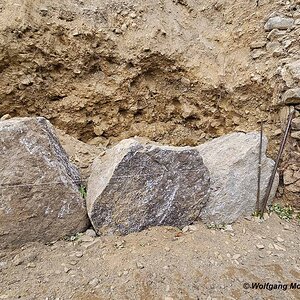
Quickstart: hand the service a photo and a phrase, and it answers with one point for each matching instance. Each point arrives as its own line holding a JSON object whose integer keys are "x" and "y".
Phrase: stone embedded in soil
{"x": 39, "y": 197}
{"x": 279, "y": 23}
{"x": 91, "y": 233}
{"x": 260, "y": 246}
{"x": 291, "y": 73}
{"x": 136, "y": 185}
{"x": 291, "y": 96}
{"x": 296, "y": 123}
{"x": 232, "y": 161}
{"x": 295, "y": 135}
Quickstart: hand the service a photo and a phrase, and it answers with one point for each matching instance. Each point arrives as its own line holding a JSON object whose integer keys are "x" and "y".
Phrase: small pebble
{"x": 31, "y": 265}
{"x": 94, "y": 282}
{"x": 79, "y": 254}
{"x": 260, "y": 246}
{"x": 236, "y": 256}
{"x": 228, "y": 228}
{"x": 5, "y": 117}
{"x": 185, "y": 229}
{"x": 279, "y": 248}
{"x": 90, "y": 232}
{"x": 140, "y": 265}
{"x": 193, "y": 228}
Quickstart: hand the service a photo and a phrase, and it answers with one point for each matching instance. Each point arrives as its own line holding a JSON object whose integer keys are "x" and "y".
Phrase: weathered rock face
{"x": 39, "y": 193}
{"x": 291, "y": 73}
{"x": 136, "y": 185}
{"x": 279, "y": 23}
{"x": 232, "y": 161}
{"x": 291, "y": 96}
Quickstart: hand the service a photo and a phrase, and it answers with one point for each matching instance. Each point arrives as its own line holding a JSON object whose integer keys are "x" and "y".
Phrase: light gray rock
{"x": 232, "y": 161}
{"x": 274, "y": 48}
{"x": 295, "y": 135}
{"x": 91, "y": 233}
{"x": 257, "y": 53}
{"x": 39, "y": 196}
{"x": 275, "y": 33}
{"x": 291, "y": 73}
{"x": 291, "y": 96}
{"x": 136, "y": 185}
{"x": 279, "y": 23}
{"x": 296, "y": 123}
{"x": 257, "y": 44}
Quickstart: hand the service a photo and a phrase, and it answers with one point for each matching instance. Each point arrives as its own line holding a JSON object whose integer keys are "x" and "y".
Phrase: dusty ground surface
{"x": 159, "y": 263}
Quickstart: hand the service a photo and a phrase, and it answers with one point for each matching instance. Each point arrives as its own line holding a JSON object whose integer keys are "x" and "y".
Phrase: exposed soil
{"x": 159, "y": 263}
{"x": 177, "y": 72}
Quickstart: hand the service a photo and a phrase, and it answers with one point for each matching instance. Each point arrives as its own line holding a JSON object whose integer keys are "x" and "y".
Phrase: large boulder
{"x": 39, "y": 188}
{"x": 136, "y": 185}
{"x": 232, "y": 161}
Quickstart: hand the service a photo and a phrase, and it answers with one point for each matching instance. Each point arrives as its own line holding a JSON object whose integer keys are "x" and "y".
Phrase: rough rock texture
{"x": 291, "y": 73}
{"x": 232, "y": 161}
{"x": 136, "y": 185}
{"x": 291, "y": 96}
{"x": 80, "y": 154}
{"x": 296, "y": 123}
{"x": 279, "y": 23}
{"x": 39, "y": 188}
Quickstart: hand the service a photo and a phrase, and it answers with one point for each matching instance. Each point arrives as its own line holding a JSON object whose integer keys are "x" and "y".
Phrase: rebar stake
{"x": 271, "y": 181}
{"x": 259, "y": 168}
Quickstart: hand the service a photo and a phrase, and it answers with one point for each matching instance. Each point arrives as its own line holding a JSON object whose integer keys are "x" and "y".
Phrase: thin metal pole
{"x": 259, "y": 168}
{"x": 283, "y": 142}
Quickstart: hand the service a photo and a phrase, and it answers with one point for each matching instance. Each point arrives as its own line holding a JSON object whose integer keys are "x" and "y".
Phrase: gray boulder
{"x": 136, "y": 185}
{"x": 39, "y": 192}
{"x": 232, "y": 161}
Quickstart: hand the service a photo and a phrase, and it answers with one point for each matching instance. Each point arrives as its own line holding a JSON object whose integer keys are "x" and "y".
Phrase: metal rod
{"x": 270, "y": 184}
{"x": 259, "y": 168}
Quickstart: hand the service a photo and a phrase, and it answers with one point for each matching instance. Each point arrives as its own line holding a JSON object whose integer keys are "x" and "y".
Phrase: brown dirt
{"x": 179, "y": 81}
{"x": 158, "y": 263}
